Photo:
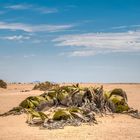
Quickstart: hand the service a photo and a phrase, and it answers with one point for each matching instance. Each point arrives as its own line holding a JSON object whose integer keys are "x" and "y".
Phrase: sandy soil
{"x": 119, "y": 127}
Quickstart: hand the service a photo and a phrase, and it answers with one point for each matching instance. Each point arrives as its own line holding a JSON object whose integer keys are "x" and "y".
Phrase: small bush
{"x": 3, "y": 84}
{"x": 45, "y": 86}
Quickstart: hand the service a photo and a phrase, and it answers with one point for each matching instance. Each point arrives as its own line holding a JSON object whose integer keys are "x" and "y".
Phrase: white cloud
{"x": 43, "y": 10}
{"x": 119, "y": 27}
{"x": 18, "y": 7}
{"x": 93, "y": 43}
{"x": 34, "y": 28}
{"x": 125, "y": 27}
{"x": 15, "y": 37}
{"x": 82, "y": 53}
{"x": 51, "y": 28}
{"x": 15, "y": 26}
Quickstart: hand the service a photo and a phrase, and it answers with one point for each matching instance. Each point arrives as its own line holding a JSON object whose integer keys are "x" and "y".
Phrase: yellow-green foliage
{"x": 36, "y": 114}
{"x": 118, "y": 97}
{"x": 121, "y": 108}
{"x": 117, "y": 100}
{"x": 106, "y": 94}
{"x": 27, "y": 104}
{"x": 62, "y": 114}
{"x": 119, "y": 92}
{"x": 62, "y": 95}
{"x": 74, "y": 109}
{"x": 48, "y": 98}
{"x": 69, "y": 113}
{"x": 120, "y": 103}
{"x": 32, "y": 102}
{"x": 52, "y": 94}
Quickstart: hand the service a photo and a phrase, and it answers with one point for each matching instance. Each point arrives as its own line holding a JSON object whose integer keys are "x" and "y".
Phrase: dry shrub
{"x": 45, "y": 86}
{"x": 3, "y": 84}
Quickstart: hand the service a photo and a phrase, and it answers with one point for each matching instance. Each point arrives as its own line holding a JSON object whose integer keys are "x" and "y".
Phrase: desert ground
{"x": 117, "y": 127}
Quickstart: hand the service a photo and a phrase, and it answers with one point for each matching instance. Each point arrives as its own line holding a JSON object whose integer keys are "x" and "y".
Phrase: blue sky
{"x": 70, "y": 41}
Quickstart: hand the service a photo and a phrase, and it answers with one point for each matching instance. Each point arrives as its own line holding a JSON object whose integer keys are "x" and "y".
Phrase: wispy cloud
{"x": 34, "y": 28}
{"x": 125, "y": 27}
{"x": 19, "y": 7}
{"x": 15, "y": 26}
{"x": 94, "y": 43}
{"x": 82, "y": 53}
{"x": 16, "y": 37}
{"x": 40, "y": 9}
{"x": 45, "y": 10}
{"x": 119, "y": 27}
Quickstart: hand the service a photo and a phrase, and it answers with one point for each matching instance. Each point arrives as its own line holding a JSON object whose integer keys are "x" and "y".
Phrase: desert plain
{"x": 116, "y": 127}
